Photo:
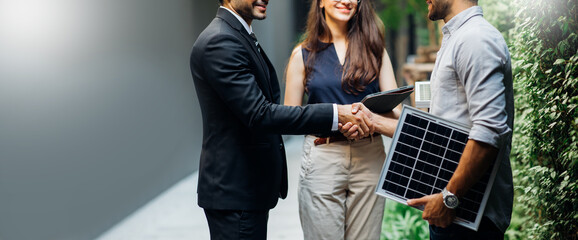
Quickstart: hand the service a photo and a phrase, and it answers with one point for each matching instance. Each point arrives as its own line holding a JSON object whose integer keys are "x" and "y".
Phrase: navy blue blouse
{"x": 324, "y": 83}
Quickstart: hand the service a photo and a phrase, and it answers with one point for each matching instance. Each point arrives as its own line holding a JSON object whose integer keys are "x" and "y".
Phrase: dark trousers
{"x": 486, "y": 231}
{"x": 237, "y": 224}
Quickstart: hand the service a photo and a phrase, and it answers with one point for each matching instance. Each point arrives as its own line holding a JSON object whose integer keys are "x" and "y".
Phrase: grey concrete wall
{"x": 97, "y": 107}
{"x": 97, "y": 112}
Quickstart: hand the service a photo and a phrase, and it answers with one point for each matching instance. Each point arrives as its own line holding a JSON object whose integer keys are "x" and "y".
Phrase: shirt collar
{"x": 458, "y": 20}
{"x": 247, "y": 27}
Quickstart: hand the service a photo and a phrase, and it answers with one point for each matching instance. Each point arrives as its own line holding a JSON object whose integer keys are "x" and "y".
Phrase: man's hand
{"x": 435, "y": 211}
{"x": 359, "y": 123}
{"x": 354, "y": 131}
{"x": 383, "y": 123}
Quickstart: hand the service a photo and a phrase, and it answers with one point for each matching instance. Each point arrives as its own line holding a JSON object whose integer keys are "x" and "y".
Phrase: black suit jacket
{"x": 243, "y": 162}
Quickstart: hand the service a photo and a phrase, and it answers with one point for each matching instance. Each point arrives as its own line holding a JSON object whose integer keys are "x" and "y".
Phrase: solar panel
{"x": 424, "y": 154}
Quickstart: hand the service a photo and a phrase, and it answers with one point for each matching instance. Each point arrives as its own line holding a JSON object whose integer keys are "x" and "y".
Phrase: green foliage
{"x": 395, "y": 12}
{"x": 403, "y": 222}
{"x": 500, "y": 14}
{"x": 544, "y": 47}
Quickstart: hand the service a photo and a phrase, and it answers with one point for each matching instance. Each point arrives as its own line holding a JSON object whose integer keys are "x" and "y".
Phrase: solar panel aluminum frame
{"x": 446, "y": 123}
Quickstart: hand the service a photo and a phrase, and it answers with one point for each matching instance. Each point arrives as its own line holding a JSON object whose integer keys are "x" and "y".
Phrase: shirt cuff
{"x": 335, "y": 118}
{"x": 487, "y": 135}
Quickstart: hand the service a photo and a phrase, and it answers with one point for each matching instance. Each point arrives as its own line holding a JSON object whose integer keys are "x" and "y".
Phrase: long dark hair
{"x": 366, "y": 43}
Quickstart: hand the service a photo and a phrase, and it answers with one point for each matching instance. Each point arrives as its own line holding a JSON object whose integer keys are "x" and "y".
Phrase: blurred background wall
{"x": 97, "y": 107}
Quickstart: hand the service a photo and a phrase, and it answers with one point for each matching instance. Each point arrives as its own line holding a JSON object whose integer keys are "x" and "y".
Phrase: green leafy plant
{"x": 500, "y": 13}
{"x": 544, "y": 47}
{"x": 403, "y": 222}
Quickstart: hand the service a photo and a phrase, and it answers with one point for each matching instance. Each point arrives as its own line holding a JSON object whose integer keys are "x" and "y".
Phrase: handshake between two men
{"x": 359, "y": 122}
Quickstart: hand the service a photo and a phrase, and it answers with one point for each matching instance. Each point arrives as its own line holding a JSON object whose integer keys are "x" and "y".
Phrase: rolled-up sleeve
{"x": 480, "y": 65}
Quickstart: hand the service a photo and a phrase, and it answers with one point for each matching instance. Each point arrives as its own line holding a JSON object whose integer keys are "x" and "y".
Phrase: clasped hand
{"x": 355, "y": 123}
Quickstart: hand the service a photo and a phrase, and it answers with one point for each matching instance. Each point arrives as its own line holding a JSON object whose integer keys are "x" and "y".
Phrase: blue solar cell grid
{"x": 425, "y": 152}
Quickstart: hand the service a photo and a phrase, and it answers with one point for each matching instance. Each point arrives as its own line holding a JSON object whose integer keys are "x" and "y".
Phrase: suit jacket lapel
{"x": 274, "y": 86}
{"x": 259, "y": 54}
{"x": 234, "y": 22}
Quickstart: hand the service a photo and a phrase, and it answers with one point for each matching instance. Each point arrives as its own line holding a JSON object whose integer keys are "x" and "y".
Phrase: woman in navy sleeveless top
{"x": 341, "y": 60}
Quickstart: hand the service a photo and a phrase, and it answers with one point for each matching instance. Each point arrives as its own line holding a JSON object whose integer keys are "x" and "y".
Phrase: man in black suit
{"x": 243, "y": 169}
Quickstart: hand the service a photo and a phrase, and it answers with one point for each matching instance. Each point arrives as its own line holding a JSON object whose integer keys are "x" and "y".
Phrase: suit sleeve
{"x": 229, "y": 72}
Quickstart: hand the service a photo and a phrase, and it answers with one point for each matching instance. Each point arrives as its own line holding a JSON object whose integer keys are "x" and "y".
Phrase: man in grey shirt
{"x": 471, "y": 84}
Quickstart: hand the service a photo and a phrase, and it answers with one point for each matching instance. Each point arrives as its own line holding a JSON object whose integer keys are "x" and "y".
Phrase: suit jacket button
{"x": 281, "y": 146}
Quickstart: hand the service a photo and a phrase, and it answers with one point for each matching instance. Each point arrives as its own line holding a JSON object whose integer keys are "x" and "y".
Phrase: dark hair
{"x": 221, "y": 2}
{"x": 366, "y": 43}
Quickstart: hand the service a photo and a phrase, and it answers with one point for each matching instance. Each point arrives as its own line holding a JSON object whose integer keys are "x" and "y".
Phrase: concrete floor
{"x": 175, "y": 215}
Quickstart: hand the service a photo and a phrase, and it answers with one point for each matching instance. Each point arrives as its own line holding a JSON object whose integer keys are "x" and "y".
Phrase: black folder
{"x": 383, "y": 102}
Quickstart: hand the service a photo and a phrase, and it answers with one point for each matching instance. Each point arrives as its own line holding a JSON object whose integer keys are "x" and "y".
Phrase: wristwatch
{"x": 450, "y": 200}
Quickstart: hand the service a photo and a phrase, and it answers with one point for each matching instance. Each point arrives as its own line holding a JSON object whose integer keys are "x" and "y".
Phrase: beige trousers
{"x": 337, "y": 184}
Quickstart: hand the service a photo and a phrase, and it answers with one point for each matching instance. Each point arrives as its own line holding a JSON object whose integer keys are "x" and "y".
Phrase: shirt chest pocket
{"x": 447, "y": 88}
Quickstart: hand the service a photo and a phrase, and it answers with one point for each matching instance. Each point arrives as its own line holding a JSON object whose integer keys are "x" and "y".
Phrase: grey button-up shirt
{"x": 472, "y": 84}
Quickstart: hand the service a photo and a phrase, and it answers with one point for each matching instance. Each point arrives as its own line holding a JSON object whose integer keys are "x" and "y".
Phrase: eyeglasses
{"x": 353, "y": 1}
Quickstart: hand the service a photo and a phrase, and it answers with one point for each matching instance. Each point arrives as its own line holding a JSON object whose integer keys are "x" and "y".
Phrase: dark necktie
{"x": 255, "y": 41}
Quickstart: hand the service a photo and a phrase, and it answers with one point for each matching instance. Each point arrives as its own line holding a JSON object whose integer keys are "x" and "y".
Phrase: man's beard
{"x": 246, "y": 12}
{"x": 439, "y": 10}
